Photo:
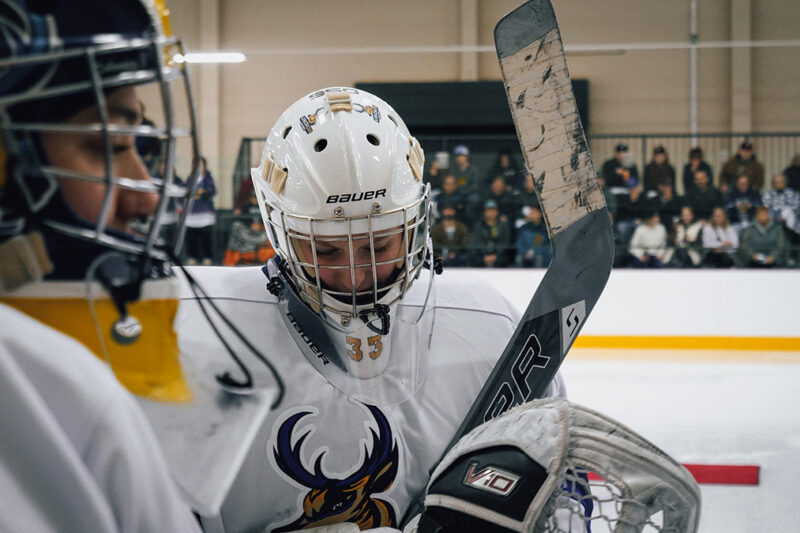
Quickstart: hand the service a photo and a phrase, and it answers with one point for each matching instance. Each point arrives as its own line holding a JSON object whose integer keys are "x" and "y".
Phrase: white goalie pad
{"x": 580, "y": 471}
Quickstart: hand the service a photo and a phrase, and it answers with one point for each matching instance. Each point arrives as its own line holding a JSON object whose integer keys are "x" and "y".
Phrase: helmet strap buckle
{"x": 382, "y": 312}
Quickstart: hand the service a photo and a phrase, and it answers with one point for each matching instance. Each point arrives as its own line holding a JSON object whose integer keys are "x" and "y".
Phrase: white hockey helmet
{"x": 340, "y": 167}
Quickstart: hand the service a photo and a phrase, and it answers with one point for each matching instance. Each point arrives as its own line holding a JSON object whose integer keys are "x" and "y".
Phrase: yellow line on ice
{"x": 683, "y": 356}
{"x": 760, "y": 344}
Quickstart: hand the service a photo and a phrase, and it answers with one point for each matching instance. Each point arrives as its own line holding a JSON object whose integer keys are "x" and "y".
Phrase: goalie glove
{"x": 529, "y": 471}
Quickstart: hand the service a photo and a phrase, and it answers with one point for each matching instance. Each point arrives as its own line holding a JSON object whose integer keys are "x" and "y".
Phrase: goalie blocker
{"x": 529, "y": 470}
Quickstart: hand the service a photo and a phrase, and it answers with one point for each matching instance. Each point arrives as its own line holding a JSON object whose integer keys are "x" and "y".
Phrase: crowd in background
{"x": 491, "y": 218}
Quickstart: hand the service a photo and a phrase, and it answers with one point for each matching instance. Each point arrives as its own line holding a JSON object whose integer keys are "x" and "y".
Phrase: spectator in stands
{"x": 648, "y": 247}
{"x": 695, "y": 163}
{"x": 506, "y": 201}
{"x": 451, "y": 195}
{"x": 435, "y": 174}
{"x": 620, "y": 170}
{"x": 533, "y": 240}
{"x": 633, "y": 208}
{"x": 688, "y": 244}
{"x": 720, "y": 241}
{"x": 527, "y": 196}
{"x": 792, "y": 173}
{"x": 450, "y": 237}
{"x": 504, "y": 166}
{"x": 741, "y": 202}
{"x": 467, "y": 175}
{"x": 666, "y": 203}
{"x": 243, "y": 196}
{"x": 783, "y": 203}
{"x": 763, "y": 244}
{"x": 658, "y": 169}
{"x": 469, "y": 182}
{"x": 703, "y": 197}
{"x": 611, "y": 198}
{"x": 248, "y": 243}
{"x": 201, "y": 219}
{"x": 490, "y": 239}
{"x": 744, "y": 162}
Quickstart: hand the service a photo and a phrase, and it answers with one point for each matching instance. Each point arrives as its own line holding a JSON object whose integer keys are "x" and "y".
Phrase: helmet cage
{"x": 337, "y": 307}
{"x": 155, "y": 63}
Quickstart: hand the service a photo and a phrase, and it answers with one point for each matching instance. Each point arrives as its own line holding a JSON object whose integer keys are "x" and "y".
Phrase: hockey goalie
{"x": 551, "y": 466}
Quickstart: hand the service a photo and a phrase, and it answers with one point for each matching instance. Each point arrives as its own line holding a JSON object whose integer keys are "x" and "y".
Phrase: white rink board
{"x": 707, "y": 410}
{"x": 724, "y": 303}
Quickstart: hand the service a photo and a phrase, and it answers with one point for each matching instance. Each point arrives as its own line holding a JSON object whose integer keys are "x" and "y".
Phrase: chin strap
{"x": 276, "y": 285}
{"x": 432, "y": 261}
{"x": 382, "y": 312}
{"x": 122, "y": 279}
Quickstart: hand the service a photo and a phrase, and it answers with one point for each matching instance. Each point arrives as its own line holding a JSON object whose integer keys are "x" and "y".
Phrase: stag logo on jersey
{"x": 349, "y": 498}
{"x": 491, "y": 479}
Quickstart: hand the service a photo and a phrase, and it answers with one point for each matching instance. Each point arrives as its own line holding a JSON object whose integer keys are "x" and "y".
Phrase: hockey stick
{"x": 549, "y": 129}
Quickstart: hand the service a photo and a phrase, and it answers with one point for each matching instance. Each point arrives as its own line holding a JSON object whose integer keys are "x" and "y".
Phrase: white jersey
{"x": 322, "y": 457}
{"x": 76, "y": 453}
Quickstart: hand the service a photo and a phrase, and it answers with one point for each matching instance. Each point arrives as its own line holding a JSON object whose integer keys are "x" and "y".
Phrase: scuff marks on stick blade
{"x": 548, "y": 126}
{"x": 520, "y": 100}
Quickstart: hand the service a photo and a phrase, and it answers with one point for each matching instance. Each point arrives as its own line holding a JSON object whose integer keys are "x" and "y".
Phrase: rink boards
{"x": 704, "y": 364}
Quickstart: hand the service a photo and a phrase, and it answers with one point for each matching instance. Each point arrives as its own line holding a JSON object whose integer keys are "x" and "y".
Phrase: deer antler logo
{"x": 332, "y": 500}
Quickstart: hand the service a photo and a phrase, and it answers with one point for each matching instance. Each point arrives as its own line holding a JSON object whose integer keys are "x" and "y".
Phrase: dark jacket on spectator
{"x": 511, "y": 174}
{"x": 469, "y": 179}
{"x": 734, "y": 198}
{"x": 611, "y": 202}
{"x": 535, "y": 238}
{"x": 444, "y": 244}
{"x": 668, "y": 210}
{"x": 630, "y": 209}
{"x": 655, "y": 173}
{"x": 490, "y": 240}
{"x": 506, "y": 204}
{"x": 769, "y": 241}
{"x": 204, "y": 201}
{"x": 736, "y": 166}
{"x": 688, "y": 175}
{"x": 243, "y": 195}
{"x": 609, "y": 172}
{"x": 792, "y": 174}
{"x": 703, "y": 202}
{"x": 457, "y": 200}
{"x": 524, "y": 197}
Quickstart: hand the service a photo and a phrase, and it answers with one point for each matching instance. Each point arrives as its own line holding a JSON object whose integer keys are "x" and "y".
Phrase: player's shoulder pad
{"x": 463, "y": 289}
{"x": 245, "y": 283}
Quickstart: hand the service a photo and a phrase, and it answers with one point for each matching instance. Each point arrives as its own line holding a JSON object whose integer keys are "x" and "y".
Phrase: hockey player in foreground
{"x": 381, "y": 363}
{"x": 77, "y": 452}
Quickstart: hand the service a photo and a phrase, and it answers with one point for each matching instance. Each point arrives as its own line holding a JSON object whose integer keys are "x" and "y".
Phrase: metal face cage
{"x": 111, "y": 62}
{"x": 411, "y": 222}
